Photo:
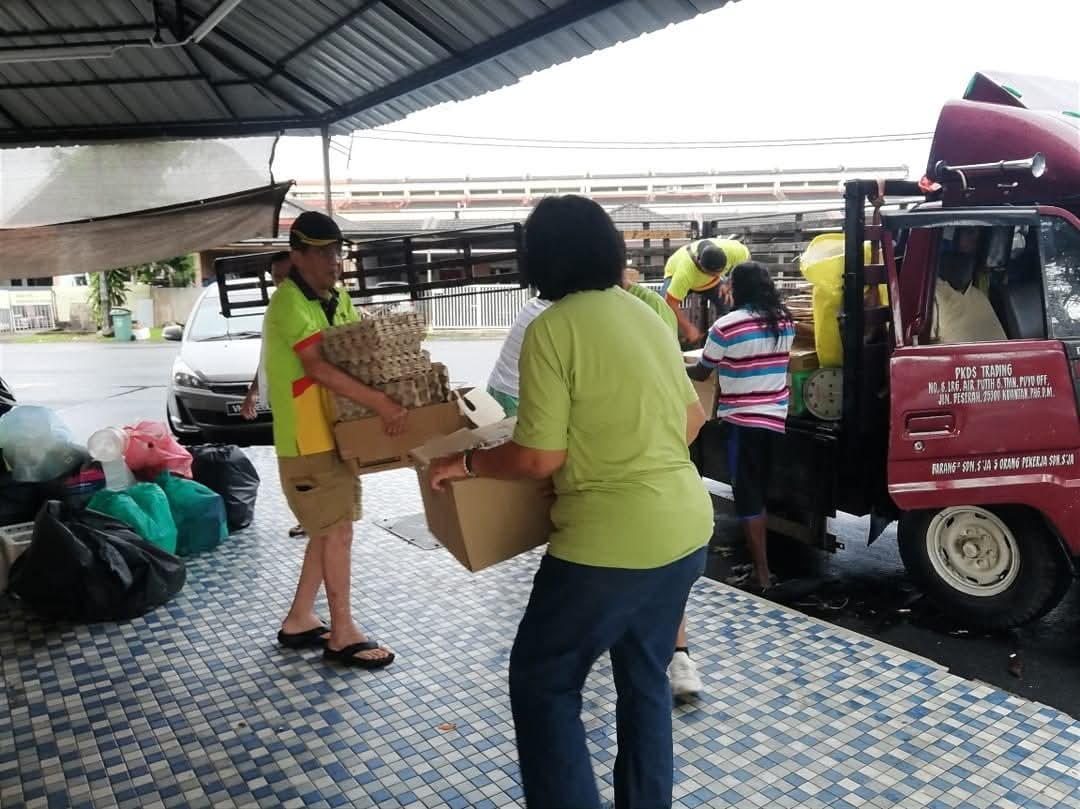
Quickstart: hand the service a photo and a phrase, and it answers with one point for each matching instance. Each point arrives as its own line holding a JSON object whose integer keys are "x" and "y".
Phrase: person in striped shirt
{"x": 749, "y": 347}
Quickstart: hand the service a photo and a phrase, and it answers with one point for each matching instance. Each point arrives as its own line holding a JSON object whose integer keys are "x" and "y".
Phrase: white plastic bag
{"x": 37, "y": 445}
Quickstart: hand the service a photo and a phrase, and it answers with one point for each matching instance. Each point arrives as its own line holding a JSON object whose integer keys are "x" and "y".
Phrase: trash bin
{"x": 121, "y": 319}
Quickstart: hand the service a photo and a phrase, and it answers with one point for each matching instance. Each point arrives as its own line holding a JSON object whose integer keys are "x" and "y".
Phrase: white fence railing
{"x": 26, "y": 310}
{"x": 494, "y": 306}
{"x": 481, "y": 306}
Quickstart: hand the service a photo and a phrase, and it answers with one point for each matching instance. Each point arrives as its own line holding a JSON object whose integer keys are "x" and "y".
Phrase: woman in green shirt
{"x": 607, "y": 412}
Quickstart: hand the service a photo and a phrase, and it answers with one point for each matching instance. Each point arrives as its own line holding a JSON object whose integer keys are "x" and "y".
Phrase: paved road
{"x": 94, "y": 385}
{"x": 863, "y": 589}
{"x": 91, "y": 385}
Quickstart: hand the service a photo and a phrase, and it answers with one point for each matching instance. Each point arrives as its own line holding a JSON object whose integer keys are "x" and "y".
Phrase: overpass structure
{"x": 425, "y": 203}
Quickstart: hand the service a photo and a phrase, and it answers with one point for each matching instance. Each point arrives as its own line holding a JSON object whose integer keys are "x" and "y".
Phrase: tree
{"x": 117, "y": 281}
{"x": 178, "y": 271}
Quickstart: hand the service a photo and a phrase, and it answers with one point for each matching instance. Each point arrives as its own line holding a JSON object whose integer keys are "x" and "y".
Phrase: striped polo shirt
{"x": 752, "y": 365}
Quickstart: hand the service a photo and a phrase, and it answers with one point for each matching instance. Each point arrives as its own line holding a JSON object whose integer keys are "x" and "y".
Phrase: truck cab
{"x": 957, "y": 407}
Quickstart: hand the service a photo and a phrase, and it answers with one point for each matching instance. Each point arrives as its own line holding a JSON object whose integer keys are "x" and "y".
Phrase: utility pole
{"x": 326, "y": 170}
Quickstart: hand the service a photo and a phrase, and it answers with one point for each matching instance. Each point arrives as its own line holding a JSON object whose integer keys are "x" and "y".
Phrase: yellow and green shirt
{"x": 295, "y": 319}
{"x": 602, "y": 379}
{"x": 685, "y": 275}
{"x": 657, "y": 304}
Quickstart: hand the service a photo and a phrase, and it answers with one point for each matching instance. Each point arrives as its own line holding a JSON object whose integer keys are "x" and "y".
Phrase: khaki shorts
{"x": 321, "y": 491}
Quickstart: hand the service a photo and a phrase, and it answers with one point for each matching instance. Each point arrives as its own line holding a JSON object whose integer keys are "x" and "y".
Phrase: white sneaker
{"x": 683, "y": 675}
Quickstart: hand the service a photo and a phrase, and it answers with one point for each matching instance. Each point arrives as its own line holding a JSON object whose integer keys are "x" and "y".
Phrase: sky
{"x": 777, "y": 69}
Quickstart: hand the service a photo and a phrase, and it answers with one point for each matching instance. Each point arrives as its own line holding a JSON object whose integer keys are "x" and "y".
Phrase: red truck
{"x": 974, "y": 447}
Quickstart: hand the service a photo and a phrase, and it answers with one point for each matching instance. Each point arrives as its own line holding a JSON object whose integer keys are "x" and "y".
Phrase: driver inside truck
{"x": 962, "y": 311}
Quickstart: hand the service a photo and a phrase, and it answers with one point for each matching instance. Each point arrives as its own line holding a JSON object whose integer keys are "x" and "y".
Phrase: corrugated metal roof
{"x": 274, "y": 66}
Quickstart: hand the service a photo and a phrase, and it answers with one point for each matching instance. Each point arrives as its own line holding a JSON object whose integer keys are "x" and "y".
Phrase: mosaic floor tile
{"x": 196, "y": 706}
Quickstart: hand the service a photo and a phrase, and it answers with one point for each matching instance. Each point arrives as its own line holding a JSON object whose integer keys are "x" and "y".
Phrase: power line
{"x": 543, "y": 143}
{"x": 643, "y": 142}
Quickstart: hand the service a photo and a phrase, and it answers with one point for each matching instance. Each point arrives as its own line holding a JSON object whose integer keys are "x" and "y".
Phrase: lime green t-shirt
{"x": 294, "y": 320}
{"x": 657, "y": 304}
{"x": 685, "y": 275}
{"x": 602, "y": 379}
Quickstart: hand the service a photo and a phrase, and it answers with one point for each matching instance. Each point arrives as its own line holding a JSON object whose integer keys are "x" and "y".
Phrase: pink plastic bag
{"x": 152, "y": 449}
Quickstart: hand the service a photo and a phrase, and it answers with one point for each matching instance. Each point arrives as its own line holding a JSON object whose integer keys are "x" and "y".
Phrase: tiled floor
{"x": 195, "y": 706}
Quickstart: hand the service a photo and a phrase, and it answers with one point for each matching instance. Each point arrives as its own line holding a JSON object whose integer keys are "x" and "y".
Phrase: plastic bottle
{"x": 107, "y": 447}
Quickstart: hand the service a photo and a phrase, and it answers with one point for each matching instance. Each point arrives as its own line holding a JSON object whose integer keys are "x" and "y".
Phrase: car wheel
{"x": 994, "y": 568}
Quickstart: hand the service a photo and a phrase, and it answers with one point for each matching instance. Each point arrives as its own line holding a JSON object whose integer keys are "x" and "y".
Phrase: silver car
{"x": 218, "y": 359}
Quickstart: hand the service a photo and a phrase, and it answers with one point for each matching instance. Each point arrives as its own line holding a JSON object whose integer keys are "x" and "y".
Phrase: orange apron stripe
{"x": 300, "y": 385}
{"x": 314, "y": 339}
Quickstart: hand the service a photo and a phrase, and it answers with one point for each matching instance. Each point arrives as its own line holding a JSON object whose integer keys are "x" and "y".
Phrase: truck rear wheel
{"x": 994, "y": 568}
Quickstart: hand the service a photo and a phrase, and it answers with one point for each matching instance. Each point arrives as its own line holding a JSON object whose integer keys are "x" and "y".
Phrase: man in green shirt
{"x": 654, "y": 302}
{"x": 321, "y": 491}
{"x": 702, "y": 266}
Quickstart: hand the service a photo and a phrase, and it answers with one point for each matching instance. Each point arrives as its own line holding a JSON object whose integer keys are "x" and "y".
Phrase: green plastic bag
{"x": 145, "y": 508}
{"x": 199, "y": 512}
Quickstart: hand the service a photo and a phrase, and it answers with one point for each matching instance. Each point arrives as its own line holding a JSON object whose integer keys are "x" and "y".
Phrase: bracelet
{"x": 466, "y": 462}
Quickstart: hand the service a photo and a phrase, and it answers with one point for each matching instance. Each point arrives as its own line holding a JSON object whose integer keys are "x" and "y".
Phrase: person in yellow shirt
{"x": 319, "y": 489}
{"x": 701, "y": 266}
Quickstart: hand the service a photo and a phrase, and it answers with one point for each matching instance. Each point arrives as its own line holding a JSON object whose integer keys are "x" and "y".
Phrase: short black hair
{"x": 571, "y": 245}
{"x": 710, "y": 257}
{"x": 280, "y": 255}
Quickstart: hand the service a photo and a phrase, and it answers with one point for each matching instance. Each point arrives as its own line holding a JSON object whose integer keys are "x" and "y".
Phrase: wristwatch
{"x": 466, "y": 462}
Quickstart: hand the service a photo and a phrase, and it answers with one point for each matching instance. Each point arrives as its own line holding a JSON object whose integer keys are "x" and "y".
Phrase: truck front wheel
{"x": 993, "y": 568}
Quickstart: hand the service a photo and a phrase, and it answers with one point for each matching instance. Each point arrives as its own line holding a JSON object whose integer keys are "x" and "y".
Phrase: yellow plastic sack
{"x": 822, "y": 264}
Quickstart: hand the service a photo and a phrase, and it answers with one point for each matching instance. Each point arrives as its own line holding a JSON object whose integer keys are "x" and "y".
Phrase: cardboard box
{"x": 366, "y": 449}
{"x": 483, "y": 521}
{"x": 803, "y": 360}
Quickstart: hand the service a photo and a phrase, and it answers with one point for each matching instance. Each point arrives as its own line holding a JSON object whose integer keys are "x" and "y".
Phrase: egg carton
{"x": 341, "y": 346}
{"x": 421, "y": 390}
{"x": 387, "y": 369}
{"x": 382, "y": 330}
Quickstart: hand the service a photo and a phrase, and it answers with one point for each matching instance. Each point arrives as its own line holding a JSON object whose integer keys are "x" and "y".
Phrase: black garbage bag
{"x": 85, "y": 566}
{"x": 20, "y": 502}
{"x": 225, "y": 469}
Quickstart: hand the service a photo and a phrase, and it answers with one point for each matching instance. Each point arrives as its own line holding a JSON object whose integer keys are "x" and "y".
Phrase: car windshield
{"x": 210, "y": 324}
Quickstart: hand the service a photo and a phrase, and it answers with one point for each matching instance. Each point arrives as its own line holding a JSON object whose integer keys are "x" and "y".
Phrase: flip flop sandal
{"x": 311, "y": 638}
{"x": 346, "y": 656}
{"x": 297, "y": 531}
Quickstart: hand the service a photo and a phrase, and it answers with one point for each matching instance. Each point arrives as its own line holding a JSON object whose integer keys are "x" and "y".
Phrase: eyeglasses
{"x": 333, "y": 251}
{"x": 337, "y": 251}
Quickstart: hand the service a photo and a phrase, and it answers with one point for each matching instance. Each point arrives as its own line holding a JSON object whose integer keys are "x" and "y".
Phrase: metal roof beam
{"x": 247, "y": 50}
{"x": 213, "y": 88}
{"x": 248, "y": 78}
{"x": 411, "y": 19}
{"x": 97, "y": 30}
{"x": 106, "y": 82}
{"x": 330, "y": 29}
{"x": 211, "y": 128}
{"x": 541, "y": 26}
{"x": 14, "y": 121}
